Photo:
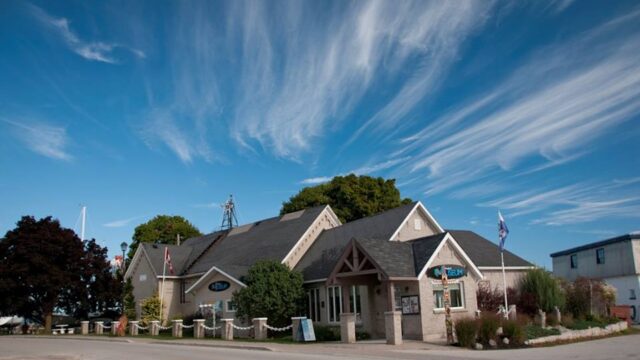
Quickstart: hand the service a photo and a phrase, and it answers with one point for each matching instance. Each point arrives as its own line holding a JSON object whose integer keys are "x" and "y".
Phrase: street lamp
{"x": 123, "y": 247}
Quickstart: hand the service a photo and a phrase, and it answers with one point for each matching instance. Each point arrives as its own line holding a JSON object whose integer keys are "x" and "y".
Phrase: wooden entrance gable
{"x": 355, "y": 266}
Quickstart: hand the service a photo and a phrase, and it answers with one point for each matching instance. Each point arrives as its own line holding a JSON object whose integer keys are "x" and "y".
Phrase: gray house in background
{"x": 615, "y": 261}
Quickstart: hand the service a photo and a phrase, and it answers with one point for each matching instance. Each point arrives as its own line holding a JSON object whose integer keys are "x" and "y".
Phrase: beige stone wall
{"x": 171, "y": 298}
{"x": 323, "y": 222}
{"x": 494, "y": 277}
{"x": 144, "y": 281}
{"x": 409, "y": 230}
{"x": 433, "y": 321}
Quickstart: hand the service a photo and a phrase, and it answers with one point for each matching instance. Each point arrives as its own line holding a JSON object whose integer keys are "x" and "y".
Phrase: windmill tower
{"x": 229, "y": 219}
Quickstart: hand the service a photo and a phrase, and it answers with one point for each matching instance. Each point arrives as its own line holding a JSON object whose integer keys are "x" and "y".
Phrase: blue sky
{"x": 142, "y": 108}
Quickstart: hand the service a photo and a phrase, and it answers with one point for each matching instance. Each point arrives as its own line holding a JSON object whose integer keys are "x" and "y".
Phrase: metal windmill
{"x": 229, "y": 219}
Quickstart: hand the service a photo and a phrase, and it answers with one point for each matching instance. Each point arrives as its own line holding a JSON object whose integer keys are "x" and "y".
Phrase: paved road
{"x": 29, "y": 348}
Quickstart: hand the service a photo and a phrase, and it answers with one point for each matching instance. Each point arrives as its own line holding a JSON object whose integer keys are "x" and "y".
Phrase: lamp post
{"x": 123, "y": 247}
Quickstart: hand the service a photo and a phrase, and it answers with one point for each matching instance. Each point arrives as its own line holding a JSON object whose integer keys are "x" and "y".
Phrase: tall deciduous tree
{"x": 273, "y": 290}
{"x": 45, "y": 267}
{"x": 351, "y": 197}
{"x": 40, "y": 269}
{"x": 162, "y": 229}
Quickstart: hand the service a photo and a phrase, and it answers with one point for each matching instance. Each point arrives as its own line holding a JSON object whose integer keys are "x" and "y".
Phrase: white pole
{"x": 84, "y": 218}
{"x": 504, "y": 287}
{"x": 164, "y": 269}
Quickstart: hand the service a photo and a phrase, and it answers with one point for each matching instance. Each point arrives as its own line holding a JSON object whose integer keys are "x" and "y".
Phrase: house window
{"x": 183, "y": 298}
{"x": 313, "y": 297}
{"x": 231, "y": 306}
{"x": 632, "y": 294}
{"x": 600, "y": 256}
{"x": 574, "y": 261}
{"x": 334, "y": 299}
{"x": 417, "y": 224}
{"x": 455, "y": 295}
{"x": 143, "y": 277}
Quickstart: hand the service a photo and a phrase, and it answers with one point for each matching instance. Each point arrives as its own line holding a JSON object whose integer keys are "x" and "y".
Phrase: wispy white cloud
{"x": 90, "y": 50}
{"x": 211, "y": 205}
{"x": 363, "y": 170}
{"x": 573, "y": 204}
{"x": 550, "y": 109}
{"x": 121, "y": 223}
{"x": 44, "y": 139}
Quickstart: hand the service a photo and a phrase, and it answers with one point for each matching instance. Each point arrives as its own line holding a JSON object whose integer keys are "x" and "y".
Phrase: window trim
{"x": 334, "y": 290}
{"x": 227, "y": 308}
{"x": 573, "y": 264}
{"x": 462, "y": 293}
{"x": 600, "y": 261}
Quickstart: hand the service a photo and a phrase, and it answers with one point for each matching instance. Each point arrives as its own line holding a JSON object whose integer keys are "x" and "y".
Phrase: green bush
{"x": 552, "y": 320}
{"x": 362, "y": 335}
{"x": 466, "y": 330}
{"x": 544, "y": 290}
{"x": 514, "y": 331}
{"x": 487, "y": 327}
{"x": 326, "y": 333}
{"x": 567, "y": 320}
{"x": 535, "y": 331}
{"x": 150, "y": 309}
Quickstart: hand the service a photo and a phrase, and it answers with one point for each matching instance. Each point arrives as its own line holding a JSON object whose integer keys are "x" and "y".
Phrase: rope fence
{"x": 143, "y": 328}
{"x": 278, "y": 329}
{"x": 242, "y": 328}
{"x": 186, "y": 326}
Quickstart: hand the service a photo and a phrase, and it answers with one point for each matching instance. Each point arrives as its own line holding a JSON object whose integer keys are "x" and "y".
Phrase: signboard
{"x": 219, "y": 286}
{"x": 410, "y": 305}
{"x": 306, "y": 332}
{"x": 453, "y": 272}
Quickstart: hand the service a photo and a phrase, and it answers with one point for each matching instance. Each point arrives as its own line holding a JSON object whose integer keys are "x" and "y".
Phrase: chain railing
{"x": 211, "y": 328}
{"x": 186, "y": 326}
{"x": 240, "y": 328}
{"x": 278, "y": 329}
{"x": 164, "y": 327}
{"x": 143, "y": 328}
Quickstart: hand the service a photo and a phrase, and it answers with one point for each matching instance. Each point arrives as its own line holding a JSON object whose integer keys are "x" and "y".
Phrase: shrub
{"x": 362, "y": 335}
{"x": 585, "y": 296}
{"x": 567, "y": 320}
{"x": 514, "y": 332}
{"x": 542, "y": 290}
{"x": 488, "y": 325}
{"x": 552, "y": 320}
{"x": 150, "y": 309}
{"x": 466, "y": 330}
{"x": 326, "y": 333}
{"x": 489, "y": 300}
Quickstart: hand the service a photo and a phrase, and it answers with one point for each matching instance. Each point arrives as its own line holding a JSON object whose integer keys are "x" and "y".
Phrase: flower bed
{"x": 570, "y": 335}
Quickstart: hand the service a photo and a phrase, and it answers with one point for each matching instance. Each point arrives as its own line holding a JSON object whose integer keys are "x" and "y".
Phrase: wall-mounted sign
{"x": 410, "y": 305}
{"x": 453, "y": 272}
{"x": 219, "y": 286}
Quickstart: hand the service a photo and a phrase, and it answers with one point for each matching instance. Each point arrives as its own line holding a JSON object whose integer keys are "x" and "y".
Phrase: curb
{"x": 241, "y": 347}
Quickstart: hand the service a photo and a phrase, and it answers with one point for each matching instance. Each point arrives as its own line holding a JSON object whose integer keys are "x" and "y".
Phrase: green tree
{"x": 162, "y": 229}
{"x": 129, "y": 301}
{"x": 544, "y": 289}
{"x": 273, "y": 290}
{"x": 351, "y": 197}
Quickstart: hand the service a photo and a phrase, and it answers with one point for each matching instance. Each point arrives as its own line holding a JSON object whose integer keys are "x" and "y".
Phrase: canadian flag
{"x": 167, "y": 260}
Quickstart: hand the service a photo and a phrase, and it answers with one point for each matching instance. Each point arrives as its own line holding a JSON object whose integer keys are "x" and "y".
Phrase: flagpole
{"x": 164, "y": 269}
{"x": 504, "y": 287}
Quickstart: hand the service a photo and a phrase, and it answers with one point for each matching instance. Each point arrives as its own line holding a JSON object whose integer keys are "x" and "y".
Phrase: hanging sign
{"x": 453, "y": 272}
{"x": 219, "y": 286}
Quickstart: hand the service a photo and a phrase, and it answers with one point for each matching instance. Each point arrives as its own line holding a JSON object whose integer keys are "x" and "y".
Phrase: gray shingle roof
{"x": 266, "y": 239}
{"x": 484, "y": 252}
{"x": 322, "y": 256}
{"x": 395, "y": 258}
{"x": 178, "y": 254}
{"x": 423, "y": 249}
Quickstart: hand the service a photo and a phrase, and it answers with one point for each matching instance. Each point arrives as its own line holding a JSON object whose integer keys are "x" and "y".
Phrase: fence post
{"x": 155, "y": 327}
{"x": 259, "y": 331}
{"x": 542, "y": 318}
{"x": 99, "y": 328}
{"x": 558, "y": 314}
{"x": 114, "y": 327}
{"x": 133, "y": 328}
{"x": 198, "y": 328}
{"x": 512, "y": 314}
{"x": 227, "y": 329}
{"x": 177, "y": 328}
{"x": 84, "y": 327}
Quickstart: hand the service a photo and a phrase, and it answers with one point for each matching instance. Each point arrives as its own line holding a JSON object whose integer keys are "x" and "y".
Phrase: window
{"x": 455, "y": 295}
{"x": 600, "y": 256}
{"x": 231, "y": 306}
{"x": 334, "y": 299}
{"x": 313, "y": 296}
{"x": 632, "y": 294}
{"x": 143, "y": 277}
{"x": 574, "y": 261}
{"x": 417, "y": 224}
{"x": 183, "y": 297}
